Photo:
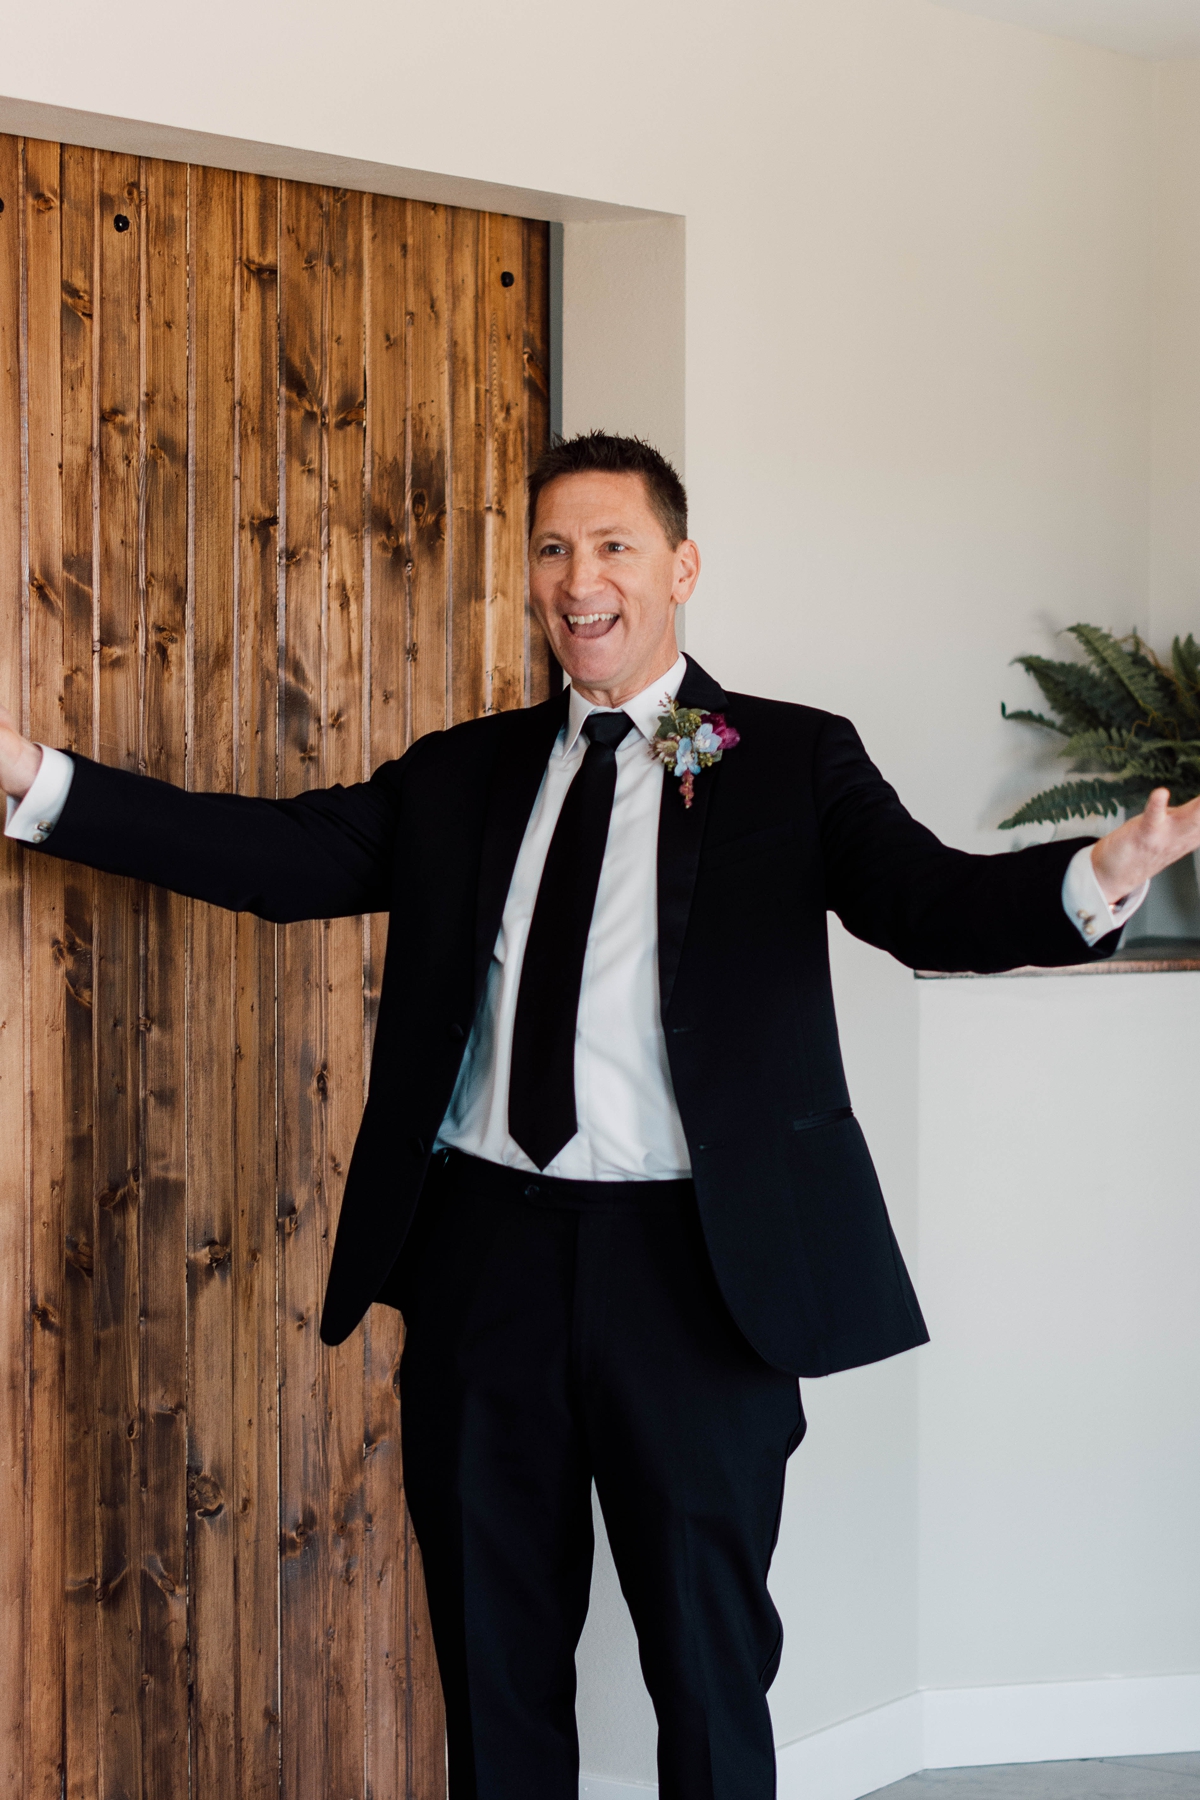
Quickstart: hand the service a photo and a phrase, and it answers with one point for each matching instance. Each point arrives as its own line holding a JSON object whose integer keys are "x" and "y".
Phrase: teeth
{"x": 588, "y": 618}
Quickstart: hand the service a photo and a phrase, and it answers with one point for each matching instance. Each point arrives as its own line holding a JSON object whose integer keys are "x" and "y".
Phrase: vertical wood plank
{"x": 412, "y": 397}
{"x": 47, "y": 1471}
{"x": 306, "y": 1602}
{"x": 385, "y": 1649}
{"x": 14, "y": 1166}
{"x": 342, "y": 759}
{"x": 118, "y": 990}
{"x": 79, "y": 429}
{"x": 162, "y": 1213}
{"x": 505, "y": 314}
{"x": 212, "y": 1477}
{"x": 540, "y": 666}
{"x": 428, "y": 308}
{"x": 467, "y": 431}
{"x": 430, "y": 450}
{"x": 255, "y": 1408}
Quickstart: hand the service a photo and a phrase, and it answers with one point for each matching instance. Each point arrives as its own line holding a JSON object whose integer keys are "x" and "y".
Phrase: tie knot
{"x": 607, "y": 729}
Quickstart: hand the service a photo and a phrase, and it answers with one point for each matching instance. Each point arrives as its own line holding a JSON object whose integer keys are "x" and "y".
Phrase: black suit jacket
{"x": 796, "y": 819}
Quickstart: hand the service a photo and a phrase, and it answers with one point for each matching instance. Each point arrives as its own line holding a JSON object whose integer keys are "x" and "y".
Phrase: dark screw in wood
{"x": 507, "y": 279}
{"x": 120, "y": 223}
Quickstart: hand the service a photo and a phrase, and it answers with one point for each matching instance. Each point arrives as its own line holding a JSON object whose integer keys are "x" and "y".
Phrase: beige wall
{"x": 931, "y": 360}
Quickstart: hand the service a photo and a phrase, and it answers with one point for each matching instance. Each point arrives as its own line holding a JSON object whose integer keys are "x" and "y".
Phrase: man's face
{"x": 604, "y": 582}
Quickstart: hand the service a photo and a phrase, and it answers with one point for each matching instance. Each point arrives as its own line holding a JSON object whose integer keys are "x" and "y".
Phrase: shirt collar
{"x": 643, "y": 710}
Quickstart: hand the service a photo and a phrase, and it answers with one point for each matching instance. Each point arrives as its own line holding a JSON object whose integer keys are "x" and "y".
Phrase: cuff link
{"x": 1088, "y": 921}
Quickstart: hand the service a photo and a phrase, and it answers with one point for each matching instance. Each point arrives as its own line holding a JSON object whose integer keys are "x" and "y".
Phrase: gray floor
{"x": 1109, "y": 1778}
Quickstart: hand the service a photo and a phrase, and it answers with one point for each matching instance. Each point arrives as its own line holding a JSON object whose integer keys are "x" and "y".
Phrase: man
{"x": 608, "y": 1167}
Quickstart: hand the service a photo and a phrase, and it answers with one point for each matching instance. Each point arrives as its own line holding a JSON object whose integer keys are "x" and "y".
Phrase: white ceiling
{"x": 1140, "y": 27}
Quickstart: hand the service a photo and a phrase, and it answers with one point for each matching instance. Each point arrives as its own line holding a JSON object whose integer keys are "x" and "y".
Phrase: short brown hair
{"x": 600, "y": 452}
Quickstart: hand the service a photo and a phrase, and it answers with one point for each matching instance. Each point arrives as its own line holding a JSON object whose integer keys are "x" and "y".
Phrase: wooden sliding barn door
{"x": 262, "y": 453}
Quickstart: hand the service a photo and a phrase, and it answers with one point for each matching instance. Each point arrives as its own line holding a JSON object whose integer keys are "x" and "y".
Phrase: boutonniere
{"x": 688, "y": 741}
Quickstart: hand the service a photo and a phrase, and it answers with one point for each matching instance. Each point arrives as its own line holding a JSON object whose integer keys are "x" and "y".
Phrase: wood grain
{"x": 14, "y": 1660}
{"x": 216, "y": 1760}
{"x": 255, "y": 1410}
{"x": 342, "y": 954}
{"x": 504, "y": 307}
{"x": 542, "y": 671}
{"x": 430, "y": 453}
{"x": 386, "y": 703}
{"x": 120, "y": 944}
{"x": 44, "y": 895}
{"x": 306, "y": 1598}
{"x": 162, "y": 1213}
{"x": 273, "y": 441}
{"x": 80, "y": 426}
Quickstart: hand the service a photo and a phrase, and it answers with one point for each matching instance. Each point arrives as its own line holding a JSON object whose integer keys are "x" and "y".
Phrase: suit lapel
{"x": 516, "y": 779}
{"x": 680, "y": 835}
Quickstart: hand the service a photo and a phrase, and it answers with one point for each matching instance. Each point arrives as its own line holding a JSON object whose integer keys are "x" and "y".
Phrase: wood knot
{"x": 291, "y": 1543}
{"x": 204, "y": 1494}
{"x": 45, "y": 1316}
{"x": 217, "y": 1254}
{"x": 79, "y": 1255}
{"x": 119, "y": 1193}
{"x": 78, "y": 299}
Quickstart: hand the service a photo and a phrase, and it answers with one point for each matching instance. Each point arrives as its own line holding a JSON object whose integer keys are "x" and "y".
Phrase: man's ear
{"x": 687, "y": 571}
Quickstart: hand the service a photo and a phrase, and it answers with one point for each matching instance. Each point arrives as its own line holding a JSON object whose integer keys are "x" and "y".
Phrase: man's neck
{"x": 627, "y": 690}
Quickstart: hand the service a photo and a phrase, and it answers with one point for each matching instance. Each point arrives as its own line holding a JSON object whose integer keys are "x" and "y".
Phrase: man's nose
{"x": 585, "y": 577}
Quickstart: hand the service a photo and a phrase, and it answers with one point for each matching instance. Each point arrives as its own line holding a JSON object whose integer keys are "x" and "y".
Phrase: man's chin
{"x": 594, "y": 662}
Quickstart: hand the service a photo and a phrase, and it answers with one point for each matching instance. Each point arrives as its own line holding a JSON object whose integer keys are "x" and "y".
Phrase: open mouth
{"x": 589, "y": 625}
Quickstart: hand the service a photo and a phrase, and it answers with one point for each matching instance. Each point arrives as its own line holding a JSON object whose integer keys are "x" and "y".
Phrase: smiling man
{"x": 608, "y": 1168}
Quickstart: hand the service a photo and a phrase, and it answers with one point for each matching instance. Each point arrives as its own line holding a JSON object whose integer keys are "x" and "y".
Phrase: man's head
{"x": 609, "y": 561}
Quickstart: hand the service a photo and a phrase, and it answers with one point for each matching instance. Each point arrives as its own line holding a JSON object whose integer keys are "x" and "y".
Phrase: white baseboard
{"x": 597, "y": 1787}
{"x": 951, "y": 1728}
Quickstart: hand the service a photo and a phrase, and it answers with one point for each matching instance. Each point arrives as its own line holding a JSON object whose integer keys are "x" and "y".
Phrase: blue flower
{"x": 685, "y": 761}
{"x": 706, "y": 741}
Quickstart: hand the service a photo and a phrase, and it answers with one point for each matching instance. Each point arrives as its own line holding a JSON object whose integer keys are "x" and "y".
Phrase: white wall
{"x": 1175, "y": 545}
{"x": 1060, "y": 1397}
{"x": 938, "y": 271}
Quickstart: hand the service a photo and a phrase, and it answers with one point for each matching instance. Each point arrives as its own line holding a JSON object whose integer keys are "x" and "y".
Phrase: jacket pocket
{"x": 814, "y": 1120}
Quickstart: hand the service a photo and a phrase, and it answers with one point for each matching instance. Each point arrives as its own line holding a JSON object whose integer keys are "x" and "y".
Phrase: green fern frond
{"x": 1073, "y": 800}
{"x": 1132, "y": 719}
{"x": 1185, "y": 668}
{"x": 1031, "y": 718}
{"x": 1132, "y": 668}
{"x": 1082, "y": 697}
{"x": 1185, "y": 660}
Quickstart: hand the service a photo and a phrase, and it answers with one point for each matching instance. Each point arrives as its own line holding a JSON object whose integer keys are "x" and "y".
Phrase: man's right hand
{"x": 19, "y": 759}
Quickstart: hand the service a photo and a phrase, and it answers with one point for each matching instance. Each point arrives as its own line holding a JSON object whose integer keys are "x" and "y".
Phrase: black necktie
{"x": 541, "y": 1086}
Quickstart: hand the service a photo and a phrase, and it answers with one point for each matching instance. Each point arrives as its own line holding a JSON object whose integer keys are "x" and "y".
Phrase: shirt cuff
{"x": 1085, "y": 905}
{"x": 34, "y": 818}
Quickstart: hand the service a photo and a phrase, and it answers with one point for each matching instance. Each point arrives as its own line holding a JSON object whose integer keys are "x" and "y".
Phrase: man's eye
{"x": 552, "y": 550}
{"x": 615, "y": 545}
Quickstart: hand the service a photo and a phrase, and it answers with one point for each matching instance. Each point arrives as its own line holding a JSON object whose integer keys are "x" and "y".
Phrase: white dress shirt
{"x": 629, "y": 1125}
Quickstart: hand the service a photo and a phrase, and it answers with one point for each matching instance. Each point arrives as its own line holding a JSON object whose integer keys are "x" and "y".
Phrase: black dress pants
{"x": 562, "y": 1332}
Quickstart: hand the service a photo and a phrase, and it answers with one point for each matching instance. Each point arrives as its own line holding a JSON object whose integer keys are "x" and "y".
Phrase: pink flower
{"x": 728, "y": 736}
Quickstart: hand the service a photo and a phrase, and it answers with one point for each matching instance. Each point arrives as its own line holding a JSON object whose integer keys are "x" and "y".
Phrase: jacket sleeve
{"x": 895, "y": 885}
{"x": 325, "y": 854}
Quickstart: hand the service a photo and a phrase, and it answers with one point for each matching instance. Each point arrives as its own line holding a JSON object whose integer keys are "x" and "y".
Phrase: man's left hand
{"x": 1146, "y": 845}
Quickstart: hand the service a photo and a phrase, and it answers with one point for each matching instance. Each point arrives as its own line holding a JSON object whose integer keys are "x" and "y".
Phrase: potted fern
{"x": 1130, "y": 722}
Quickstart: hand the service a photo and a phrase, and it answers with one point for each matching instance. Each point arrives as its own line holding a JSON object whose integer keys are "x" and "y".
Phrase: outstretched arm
{"x": 325, "y": 854}
{"x": 895, "y": 885}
